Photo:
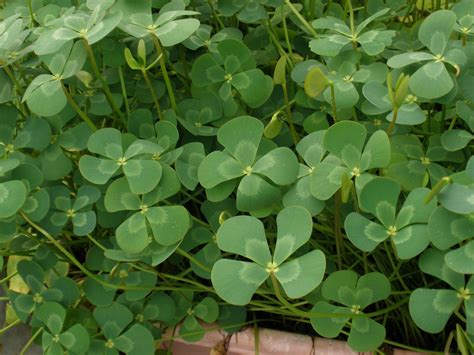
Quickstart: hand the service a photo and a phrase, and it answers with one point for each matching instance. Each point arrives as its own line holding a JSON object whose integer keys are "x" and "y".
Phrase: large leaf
{"x": 241, "y": 138}
{"x": 244, "y": 235}
{"x": 431, "y": 81}
{"x": 112, "y": 319}
{"x": 435, "y": 30}
{"x": 344, "y": 135}
{"x": 169, "y": 224}
{"x": 236, "y": 281}
{"x": 45, "y": 96}
{"x": 132, "y": 235}
{"x": 448, "y": 228}
{"x": 329, "y": 327}
{"x": 462, "y": 260}
{"x": 177, "y": 31}
{"x": 366, "y": 334}
{"x": 142, "y": 175}
{"x": 302, "y": 275}
{"x": 255, "y": 193}
{"x": 218, "y": 167}
{"x": 431, "y": 309}
{"x": 294, "y": 225}
{"x": 12, "y": 197}
{"x": 136, "y": 341}
{"x": 363, "y": 233}
{"x": 279, "y": 165}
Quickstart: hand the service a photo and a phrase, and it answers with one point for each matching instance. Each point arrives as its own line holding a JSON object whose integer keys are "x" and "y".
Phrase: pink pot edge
{"x": 270, "y": 342}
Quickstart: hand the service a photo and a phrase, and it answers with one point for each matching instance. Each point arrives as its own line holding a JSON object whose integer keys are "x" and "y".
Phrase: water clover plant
{"x": 239, "y": 165}
{"x": 433, "y": 80}
{"x": 373, "y": 42}
{"x": 245, "y": 236}
{"x": 117, "y": 333}
{"x": 247, "y": 11}
{"x": 63, "y": 290}
{"x": 351, "y": 156}
{"x": 167, "y": 224}
{"x": 79, "y": 212}
{"x": 355, "y": 294}
{"x": 407, "y": 230}
{"x": 232, "y": 68}
{"x": 136, "y": 162}
{"x": 56, "y": 339}
{"x": 432, "y": 308}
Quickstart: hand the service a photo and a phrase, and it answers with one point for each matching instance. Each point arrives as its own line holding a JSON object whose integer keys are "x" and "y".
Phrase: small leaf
{"x": 52, "y": 315}
{"x": 315, "y": 82}
{"x": 279, "y": 74}
{"x": 207, "y": 310}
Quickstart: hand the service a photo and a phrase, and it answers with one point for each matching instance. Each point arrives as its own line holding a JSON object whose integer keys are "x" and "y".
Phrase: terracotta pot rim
{"x": 271, "y": 342}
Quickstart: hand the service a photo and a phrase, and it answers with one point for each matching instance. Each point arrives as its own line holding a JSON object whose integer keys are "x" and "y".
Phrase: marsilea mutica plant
{"x": 304, "y": 166}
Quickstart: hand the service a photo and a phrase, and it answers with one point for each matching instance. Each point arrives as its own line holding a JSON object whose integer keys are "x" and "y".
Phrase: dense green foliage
{"x": 305, "y": 166}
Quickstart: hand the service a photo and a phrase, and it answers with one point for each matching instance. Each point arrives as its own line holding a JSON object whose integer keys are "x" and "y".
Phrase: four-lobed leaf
{"x": 236, "y": 281}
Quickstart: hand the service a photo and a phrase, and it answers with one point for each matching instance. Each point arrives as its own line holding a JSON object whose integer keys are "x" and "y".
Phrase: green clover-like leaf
{"x": 245, "y": 236}
{"x": 355, "y": 294}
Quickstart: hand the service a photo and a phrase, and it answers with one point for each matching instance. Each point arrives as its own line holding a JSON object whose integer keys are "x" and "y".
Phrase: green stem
{"x": 12, "y": 77}
{"x": 333, "y": 101}
{"x": 412, "y": 348}
{"x": 105, "y": 85}
{"x": 78, "y": 110}
{"x": 395, "y": 267}
{"x": 337, "y": 229}
{"x": 164, "y": 71}
{"x": 287, "y": 39}
{"x": 124, "y": 91}
{"x": 10, "y": 326}
{"x": 153, "y": 94}
{"x": 192, "y": 259}
{"x": 93, "y": 240}
{"x": 280, "y": 298}
{"x": 394, "y": 120}
{"x": 215, "y": 14}
{"x": 351, "y": 19}
{"x": 5, "y": 279}
{"x": 289, "y": 117}
{"x": 30, "y": 341}
{"x": 308, "y": 27}
{"x": 32, "y": 13}
{"x": 79, "y": 265}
